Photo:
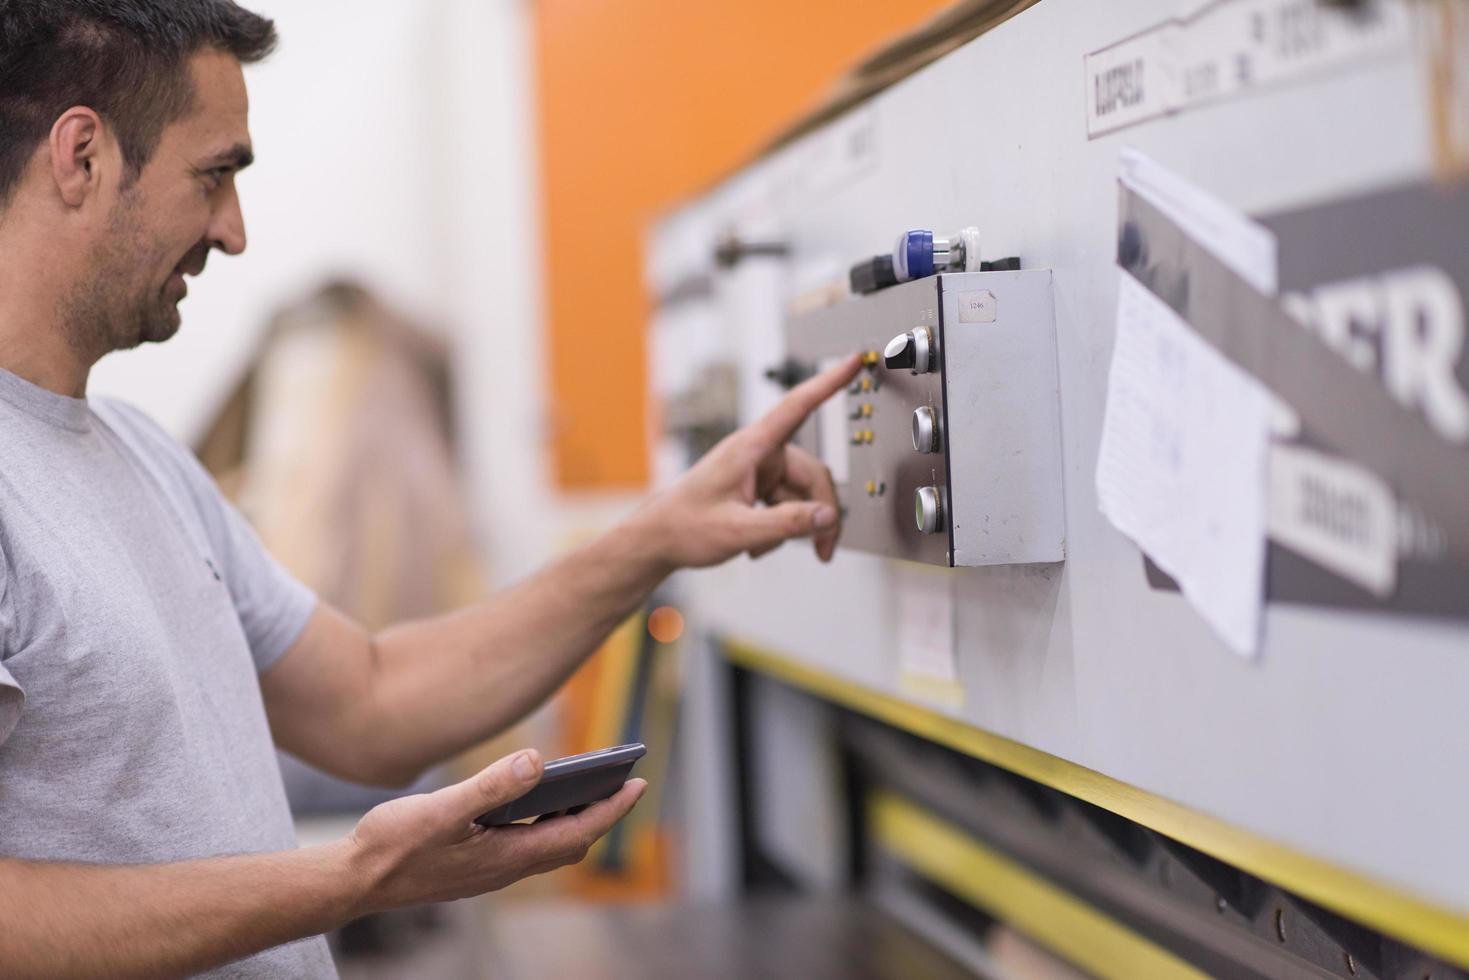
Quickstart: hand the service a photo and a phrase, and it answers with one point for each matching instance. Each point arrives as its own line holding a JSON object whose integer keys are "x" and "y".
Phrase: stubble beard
{"x": 111, "y": 310}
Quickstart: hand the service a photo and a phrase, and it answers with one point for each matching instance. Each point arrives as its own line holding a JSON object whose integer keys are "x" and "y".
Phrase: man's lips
{"x": 193, "y": 263}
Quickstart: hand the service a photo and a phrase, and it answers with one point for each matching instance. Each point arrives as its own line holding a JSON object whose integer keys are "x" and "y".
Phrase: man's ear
{"x": 76, "y": 150}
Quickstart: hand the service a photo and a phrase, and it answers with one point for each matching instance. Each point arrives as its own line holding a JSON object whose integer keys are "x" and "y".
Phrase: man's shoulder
{"x": 126, "y": 416}
{"x": 150, "y": 441}
{"x": 137, "y": 428}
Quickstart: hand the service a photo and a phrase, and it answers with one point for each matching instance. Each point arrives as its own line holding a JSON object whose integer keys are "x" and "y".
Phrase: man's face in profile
{"x": 161, "y": 228}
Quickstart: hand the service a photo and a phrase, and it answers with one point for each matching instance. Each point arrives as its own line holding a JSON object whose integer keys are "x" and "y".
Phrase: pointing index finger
{"x": 781, "y": 422}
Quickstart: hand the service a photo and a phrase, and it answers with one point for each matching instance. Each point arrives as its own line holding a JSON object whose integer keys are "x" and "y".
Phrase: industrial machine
{"x": 1002, "y": 701}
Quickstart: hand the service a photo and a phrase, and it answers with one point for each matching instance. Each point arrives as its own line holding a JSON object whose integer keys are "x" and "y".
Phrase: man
{"x": 149, "y": 649}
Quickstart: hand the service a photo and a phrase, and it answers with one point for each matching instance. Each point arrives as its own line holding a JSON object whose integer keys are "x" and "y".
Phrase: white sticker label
{"x": 1337, "y": 514}
{"x": 1231, "y": 48}
{"x": 978, "y": 306}
{"x": 832, "y": 425}
{"x": 925, "y": 624}
{"x": 1131, "y": 81}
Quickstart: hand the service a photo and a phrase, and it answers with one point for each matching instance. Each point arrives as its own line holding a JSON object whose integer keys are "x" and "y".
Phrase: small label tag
{"x": 978, "y": 306}
{"x": 1130, "y": 81}
{"x": 928, "y": 664}
{"x": 1337, "y": 514}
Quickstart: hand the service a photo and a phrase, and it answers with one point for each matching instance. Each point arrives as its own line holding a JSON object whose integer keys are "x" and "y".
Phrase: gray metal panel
{"x": 881, "y": 524}
{"x": 995, "y": 400}
{"x": 1003, "y": 409}
{"x": 1343, "y": 738}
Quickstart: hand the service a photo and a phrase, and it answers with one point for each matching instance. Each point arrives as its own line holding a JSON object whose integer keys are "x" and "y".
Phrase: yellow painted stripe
{"x": 1387, "y": 908}
{"x": 1011, "y": 893}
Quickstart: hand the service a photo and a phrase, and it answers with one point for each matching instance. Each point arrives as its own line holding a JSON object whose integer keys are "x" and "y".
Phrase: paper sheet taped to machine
{"x": 1182, "y": 464}
{"x": 1185, "y": 443}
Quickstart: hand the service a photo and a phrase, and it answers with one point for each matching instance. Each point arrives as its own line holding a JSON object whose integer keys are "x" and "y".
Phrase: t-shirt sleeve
{"x": 273, "y": 605}
{"x": 12, "y": 700}
{"x": 12, "y": 697}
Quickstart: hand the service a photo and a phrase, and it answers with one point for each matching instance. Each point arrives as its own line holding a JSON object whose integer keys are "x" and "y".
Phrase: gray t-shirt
{"x": 136, "y": 610}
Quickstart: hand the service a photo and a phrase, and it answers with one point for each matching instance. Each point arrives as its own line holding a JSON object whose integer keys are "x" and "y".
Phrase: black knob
{"x": 913, "y": 350}
{"x": 900, "y": 352}
{"x": 874, "y": 274}
{"x": 731, "y": 250}
{"x": 790, "y": 372}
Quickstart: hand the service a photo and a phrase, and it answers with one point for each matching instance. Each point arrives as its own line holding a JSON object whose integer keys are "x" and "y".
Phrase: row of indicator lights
{"x": 864, "y": 385}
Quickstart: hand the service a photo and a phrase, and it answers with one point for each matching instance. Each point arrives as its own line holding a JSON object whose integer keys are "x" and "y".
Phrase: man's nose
{"x": 227, "y": 229}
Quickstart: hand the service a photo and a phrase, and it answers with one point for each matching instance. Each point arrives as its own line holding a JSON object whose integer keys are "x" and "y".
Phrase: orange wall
{"x": 642, "y": 102}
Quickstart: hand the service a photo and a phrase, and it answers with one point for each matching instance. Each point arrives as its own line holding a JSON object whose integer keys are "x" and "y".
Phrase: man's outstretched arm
{"x": 164, "y": 920}
{"x": 381, "y": 709}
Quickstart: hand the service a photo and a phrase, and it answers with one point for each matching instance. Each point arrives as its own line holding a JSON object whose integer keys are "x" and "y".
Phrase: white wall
{"x": 394, "y": 142}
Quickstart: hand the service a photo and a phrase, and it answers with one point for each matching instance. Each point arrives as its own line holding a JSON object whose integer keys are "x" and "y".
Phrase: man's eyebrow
{"x": 238, "y": 156}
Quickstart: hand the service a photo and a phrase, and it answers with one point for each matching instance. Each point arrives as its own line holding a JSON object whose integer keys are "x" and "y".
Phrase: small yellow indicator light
{"x": 867, "y": 410}
{"x": 869, "y": 358}
{"x": 872, "y": 488}
{"x": 867, "y": 435}
{"x": 865, "y": 385}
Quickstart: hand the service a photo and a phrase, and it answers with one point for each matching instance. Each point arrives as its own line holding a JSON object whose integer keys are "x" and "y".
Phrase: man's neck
{"x": 33, "y": 345}
{"x": 62, "y": 375}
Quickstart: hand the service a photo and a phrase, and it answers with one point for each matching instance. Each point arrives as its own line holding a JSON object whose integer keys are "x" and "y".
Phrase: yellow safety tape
{"x": 1051, "y": 916}
{"x": 1435, "y": 929}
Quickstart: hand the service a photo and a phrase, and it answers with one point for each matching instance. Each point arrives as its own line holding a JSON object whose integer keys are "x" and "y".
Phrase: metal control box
{"x": 958, "y": 464}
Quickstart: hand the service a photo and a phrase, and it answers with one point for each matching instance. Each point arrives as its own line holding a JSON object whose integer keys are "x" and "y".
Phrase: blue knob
{"x": 913, "y": 255}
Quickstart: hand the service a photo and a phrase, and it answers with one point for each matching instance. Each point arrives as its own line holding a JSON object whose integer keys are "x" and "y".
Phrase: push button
{"x": 925, "y": 430}
{"x": 928, "y": 510}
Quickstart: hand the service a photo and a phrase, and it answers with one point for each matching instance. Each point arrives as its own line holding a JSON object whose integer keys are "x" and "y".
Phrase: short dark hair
{"x": 125, "y": 59}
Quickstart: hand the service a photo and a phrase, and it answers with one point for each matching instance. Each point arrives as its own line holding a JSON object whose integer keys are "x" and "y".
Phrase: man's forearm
{"x": 381, "y": 709}
{"x": 73, "y": 920}
{"x": 445, "y": 684}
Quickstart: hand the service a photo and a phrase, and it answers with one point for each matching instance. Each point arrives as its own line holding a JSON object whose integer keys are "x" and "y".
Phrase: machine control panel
{"x": 947, "y": 447}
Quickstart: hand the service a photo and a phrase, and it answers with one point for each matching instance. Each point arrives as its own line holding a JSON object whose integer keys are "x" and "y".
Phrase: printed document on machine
{"x": 1182, "y": 469}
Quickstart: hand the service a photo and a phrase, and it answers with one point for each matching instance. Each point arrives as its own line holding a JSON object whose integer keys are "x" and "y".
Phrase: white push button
{"x": 928, "y": 510}
{"x": 925, "y": 430}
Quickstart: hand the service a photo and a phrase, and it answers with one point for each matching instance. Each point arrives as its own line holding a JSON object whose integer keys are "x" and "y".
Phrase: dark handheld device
{"x": 574, "y": 781}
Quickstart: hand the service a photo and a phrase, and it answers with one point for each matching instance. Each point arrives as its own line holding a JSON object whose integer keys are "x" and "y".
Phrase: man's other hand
{"x": 753, "y": 490}
{"x": 427, "y": 848}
